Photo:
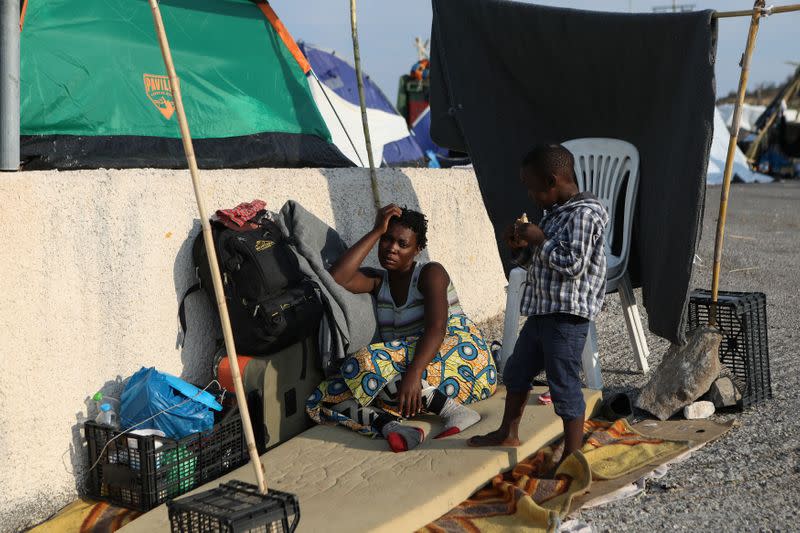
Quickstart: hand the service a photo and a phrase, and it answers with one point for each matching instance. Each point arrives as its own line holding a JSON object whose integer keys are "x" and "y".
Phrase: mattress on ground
{"x": 347, "y": 482}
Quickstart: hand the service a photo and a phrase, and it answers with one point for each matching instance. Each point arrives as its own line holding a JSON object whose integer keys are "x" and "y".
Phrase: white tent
{"x": 344, "y": 122}
{"x": 750, "y": 114}
{"x": 719, "y": 151}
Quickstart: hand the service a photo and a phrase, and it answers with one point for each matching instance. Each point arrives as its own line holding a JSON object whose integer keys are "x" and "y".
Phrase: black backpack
{"x": 270, "y": 302}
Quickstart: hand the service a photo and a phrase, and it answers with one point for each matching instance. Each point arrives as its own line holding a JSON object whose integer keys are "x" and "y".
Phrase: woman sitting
{"x": 432, "y": 358}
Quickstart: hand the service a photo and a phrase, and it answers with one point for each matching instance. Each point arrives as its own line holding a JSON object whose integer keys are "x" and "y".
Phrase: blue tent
{"x": 421, "y": 128}
{"x": 392, "y": 141}
{"x": 422, "y": 133}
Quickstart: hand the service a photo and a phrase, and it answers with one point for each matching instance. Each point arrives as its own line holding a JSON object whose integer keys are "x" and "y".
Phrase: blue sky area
{"x": 387, "y": 29}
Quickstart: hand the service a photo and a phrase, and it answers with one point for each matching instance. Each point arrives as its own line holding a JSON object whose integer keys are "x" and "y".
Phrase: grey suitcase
{"x": 277, "y": 387}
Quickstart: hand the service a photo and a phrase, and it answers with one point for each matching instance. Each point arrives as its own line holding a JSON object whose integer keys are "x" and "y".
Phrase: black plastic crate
{"x": 235, "y": 507}
{"x": 744, "y": 350}
{"x": 142, "y": 472}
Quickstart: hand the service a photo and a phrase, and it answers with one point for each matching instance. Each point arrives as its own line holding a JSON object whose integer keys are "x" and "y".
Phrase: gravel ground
{"x": 750, "y": 479}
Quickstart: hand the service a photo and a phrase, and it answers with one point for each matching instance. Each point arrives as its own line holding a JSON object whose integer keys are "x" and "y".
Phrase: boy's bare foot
{"x": 495, "y": 438}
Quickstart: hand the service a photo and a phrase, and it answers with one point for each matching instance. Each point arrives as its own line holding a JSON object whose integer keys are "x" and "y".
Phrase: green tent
{"x": 94, "y": 92}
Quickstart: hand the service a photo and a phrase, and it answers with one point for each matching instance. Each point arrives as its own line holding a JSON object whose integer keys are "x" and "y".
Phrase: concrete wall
{"x": 93, "y": 266}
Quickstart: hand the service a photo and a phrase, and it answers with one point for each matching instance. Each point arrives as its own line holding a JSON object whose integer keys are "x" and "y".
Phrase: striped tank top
{"x": 407, "y": 320}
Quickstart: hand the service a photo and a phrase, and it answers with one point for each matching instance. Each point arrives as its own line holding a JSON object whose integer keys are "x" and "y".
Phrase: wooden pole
{"x": 210, "y": 251}
{"x": 749, "y": 12}
{"x": 753, "y": 148}
{"x": 360, "y": 79}
{"x": 726, "y": 180}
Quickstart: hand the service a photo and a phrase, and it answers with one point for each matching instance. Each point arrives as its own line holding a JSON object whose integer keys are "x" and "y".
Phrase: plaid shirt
{"x": 567, "y": 273}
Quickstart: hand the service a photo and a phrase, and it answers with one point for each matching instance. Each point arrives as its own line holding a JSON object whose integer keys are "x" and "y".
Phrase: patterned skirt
{"x": 463, "y": 369}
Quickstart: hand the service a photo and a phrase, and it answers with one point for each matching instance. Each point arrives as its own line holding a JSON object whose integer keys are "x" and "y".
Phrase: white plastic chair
{"x": 601, "y": 166}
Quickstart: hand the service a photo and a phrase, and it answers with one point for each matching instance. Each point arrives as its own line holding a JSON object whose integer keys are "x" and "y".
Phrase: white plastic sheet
{"x": 719, "y": 151}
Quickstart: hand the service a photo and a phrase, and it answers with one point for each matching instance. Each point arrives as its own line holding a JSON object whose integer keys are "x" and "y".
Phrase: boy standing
{"x": 565, "y": 291}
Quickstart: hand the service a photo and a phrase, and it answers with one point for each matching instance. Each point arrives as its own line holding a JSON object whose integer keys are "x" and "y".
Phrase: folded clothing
{"x": 242, "y": 213}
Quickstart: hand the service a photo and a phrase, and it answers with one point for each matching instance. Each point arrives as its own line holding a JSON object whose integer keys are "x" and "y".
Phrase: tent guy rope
{"x": 241, "y": 400}
{"x": 336, "y": 113}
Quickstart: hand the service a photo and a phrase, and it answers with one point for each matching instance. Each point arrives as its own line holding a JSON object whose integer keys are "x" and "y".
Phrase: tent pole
{"x": 241, "y": 399}
{"x": 9, "y": 84}
{"x": 726, "y": 180}
{"x": 357, "y": 59}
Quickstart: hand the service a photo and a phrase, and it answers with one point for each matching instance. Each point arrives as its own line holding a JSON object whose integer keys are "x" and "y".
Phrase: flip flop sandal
{"x": 545, "y": 398}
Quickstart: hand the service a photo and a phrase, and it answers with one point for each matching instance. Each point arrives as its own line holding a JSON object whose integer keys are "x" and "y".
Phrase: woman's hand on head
{"x": 385, "y": 216}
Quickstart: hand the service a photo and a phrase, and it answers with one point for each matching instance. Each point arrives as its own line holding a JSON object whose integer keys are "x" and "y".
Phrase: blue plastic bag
{"x": 149, "y": 392}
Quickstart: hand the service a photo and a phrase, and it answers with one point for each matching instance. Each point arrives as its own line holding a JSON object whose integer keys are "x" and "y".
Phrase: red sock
{"x": 398, "y": 442}
{"x": 448, "y": 433}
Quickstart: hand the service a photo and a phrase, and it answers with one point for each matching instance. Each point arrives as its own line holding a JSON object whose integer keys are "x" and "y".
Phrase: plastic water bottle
{"x": 107, "y": 416}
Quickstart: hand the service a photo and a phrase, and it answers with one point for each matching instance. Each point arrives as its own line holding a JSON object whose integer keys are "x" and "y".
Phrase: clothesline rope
{"x": 763, "y": 11}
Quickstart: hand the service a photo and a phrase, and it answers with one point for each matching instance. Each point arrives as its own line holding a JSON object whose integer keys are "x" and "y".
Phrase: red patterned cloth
{"x": 532, "y": 498}
{"x": 243, "y": 212}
